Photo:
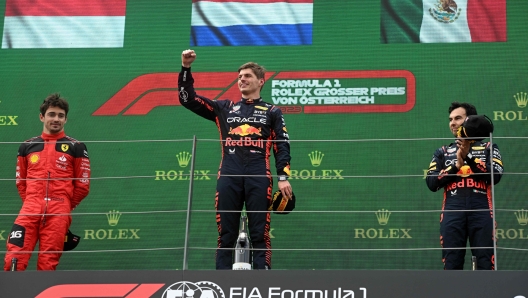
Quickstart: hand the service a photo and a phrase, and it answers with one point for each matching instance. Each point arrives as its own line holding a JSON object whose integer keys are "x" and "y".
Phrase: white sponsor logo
{"x": 246, "y": 120}
{"x": 187, "y": 289}
{"x": 450, "y": 162}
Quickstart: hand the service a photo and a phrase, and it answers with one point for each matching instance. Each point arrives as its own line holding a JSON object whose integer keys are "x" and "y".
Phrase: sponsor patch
{"x": 34, "y": 158}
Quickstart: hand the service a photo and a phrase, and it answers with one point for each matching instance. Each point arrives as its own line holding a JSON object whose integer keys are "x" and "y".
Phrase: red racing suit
{"x": 249, "y": 130}
{"x": 466, "y": 189}
{"x": 52, "y": 177}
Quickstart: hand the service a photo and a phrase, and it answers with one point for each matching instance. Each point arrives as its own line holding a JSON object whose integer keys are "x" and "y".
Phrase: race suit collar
{"x": 54, "y": 136}
{"x": 251, "y": 101}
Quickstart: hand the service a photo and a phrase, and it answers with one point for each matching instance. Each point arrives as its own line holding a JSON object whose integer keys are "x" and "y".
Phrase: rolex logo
{"x": 383, "y": 216}
{"x": 522, "y": 217}
{"x": 183, "y": 158}
{"x": 316, "y": 157}
{"x": 521, "y": 99}
{"x": 113, "y": 217}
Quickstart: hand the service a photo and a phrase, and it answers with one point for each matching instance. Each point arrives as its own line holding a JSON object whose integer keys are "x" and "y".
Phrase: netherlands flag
{"x": 64, "y": 24}
{"x": 251, "y": 22}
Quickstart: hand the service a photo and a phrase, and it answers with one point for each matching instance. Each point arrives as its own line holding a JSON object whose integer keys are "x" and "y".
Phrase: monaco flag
{"x": 64, "y": 24}
{"x": 251, "y": 22}
{"x": 437, "y": 21}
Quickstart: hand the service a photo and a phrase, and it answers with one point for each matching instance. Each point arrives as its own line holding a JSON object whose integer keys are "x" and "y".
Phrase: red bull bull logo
{"x": 244, "y": 142}
{"x": 465, "y": 171}
{"x": 482, "y": 165}
{"x": 245, "y": 130}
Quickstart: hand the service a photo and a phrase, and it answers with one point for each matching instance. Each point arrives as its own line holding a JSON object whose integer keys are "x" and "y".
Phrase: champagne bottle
{"x": 242, "y": 248}
{"x": 14, "y": 262}
{"x": 473, "y": 263}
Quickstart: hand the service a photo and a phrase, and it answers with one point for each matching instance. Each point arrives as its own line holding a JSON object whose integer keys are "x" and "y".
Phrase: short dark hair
{"x": 470, "y": 109}
{"x": 54, "y": 100}
{"x": 258, "y": 70}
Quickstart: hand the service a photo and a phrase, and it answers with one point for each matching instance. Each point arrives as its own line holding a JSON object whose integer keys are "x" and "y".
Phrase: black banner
{"x": 265, "y": 284}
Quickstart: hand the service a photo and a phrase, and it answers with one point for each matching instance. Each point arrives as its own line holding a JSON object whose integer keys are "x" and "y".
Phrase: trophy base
{"x": 241, "y": 266}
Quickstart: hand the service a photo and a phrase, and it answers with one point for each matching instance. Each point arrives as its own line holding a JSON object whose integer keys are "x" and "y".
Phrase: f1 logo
{"x": 101, "y": 290}
{"x": 148, "y": 91}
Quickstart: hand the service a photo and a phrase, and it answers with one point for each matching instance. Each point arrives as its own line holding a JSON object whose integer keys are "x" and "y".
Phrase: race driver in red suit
{"x": 52, "y": 177}
{"x": 249, "y": 129}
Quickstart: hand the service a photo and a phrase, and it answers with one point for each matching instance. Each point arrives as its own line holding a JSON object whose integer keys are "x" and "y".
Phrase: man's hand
{"x": 188, "y": 57}
{"x": 460, "y": 160}
{"x": 463, "y": 150}
{"x": 286, "y": 189}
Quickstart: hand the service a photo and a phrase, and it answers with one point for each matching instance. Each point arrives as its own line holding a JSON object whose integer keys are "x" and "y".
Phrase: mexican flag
{"x": 64, "y": 24}
{"x": 437, "y": 21}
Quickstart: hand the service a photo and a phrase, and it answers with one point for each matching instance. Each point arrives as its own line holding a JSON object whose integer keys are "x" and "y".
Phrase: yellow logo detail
{"x": 478, "y": 148}
{"x": 316, "y": 157}
{"x": 261, "y": 108}
{"x": 113, "y": 217}
{"x": 522, "y": 217}
{"x": 287, "y": 170}
{"x": 383, "y": 216}
{"x": 34, "y": 158}
{"x": 521, "y": 99}
{"x": 432, "y": 165}
{"x": 183, "y": 158}
{"x": 64, "y": 147}
{"x": 497, "y": 161}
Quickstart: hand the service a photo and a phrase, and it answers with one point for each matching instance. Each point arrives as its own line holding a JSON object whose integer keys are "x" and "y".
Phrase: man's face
{"x": 53, "y": 120}
{"x": 248, "y": 82}
{"x": 456, "y": 118}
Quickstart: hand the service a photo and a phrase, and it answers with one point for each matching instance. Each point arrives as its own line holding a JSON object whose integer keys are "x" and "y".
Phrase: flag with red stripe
{"x": 251, "y": 22}
{"x": 64, "y": 24}
{"x": 437, "y": 21}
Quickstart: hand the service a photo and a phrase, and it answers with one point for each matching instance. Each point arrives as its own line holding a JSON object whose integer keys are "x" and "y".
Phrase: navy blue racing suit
{"x": 467, "y": 188}
{"x": 249, "y": 129}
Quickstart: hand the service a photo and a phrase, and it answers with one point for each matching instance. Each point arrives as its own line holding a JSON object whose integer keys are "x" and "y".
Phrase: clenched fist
{"x": 188, "y": 57}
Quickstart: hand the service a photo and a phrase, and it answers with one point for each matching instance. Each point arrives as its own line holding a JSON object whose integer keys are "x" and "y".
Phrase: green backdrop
{"x": 135, "y": 214}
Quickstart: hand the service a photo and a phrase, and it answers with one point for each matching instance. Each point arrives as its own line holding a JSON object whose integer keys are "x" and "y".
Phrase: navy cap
{"x": 476, "y": 127}
{"x": 70, "y": 241}
{"x": 280, "y": 204}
